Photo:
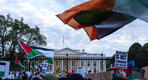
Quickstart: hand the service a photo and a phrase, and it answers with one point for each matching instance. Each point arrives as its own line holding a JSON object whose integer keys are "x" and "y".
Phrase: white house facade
{"x": 70, "y": 60}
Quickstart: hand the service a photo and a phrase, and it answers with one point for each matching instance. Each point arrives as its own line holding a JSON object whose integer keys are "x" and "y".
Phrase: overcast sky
{"x": 42, "y": 13}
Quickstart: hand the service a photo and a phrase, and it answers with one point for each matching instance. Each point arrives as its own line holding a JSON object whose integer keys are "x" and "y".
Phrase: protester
{"x": 63, "y": 78}
{"x": 88, "y": 79}
{"x": 24, "y": 76}
{"x": 75, "y": 77}
{"x": 36, "y": 78}
{"x": 70, "y": 73}
{"x": 50, "y": 77}
{"x": 32, "y": 75}
{"x": 62, "y": 74}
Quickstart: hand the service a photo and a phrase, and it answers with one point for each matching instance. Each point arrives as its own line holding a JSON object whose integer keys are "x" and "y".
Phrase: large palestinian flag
{"x": 100, "y": 18}
{"x": 48, "y": 53}
{"x": 32, "y": 51}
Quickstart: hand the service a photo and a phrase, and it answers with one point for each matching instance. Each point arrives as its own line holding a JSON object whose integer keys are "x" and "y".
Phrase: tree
{"x": 4, "y": 27}
{"x": 111, "y": 61}
{"x": 143, "y": 56}
{"x": 12, "y": 30}
{"x": 133, "y": 53}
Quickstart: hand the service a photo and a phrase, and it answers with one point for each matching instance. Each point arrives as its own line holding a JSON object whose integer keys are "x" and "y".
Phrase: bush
{"x": 50, "y": 77}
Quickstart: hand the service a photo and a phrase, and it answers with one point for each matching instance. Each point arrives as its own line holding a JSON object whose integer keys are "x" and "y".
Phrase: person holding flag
{"x": 17, "y": 61}
{"x": 33, "y": 51}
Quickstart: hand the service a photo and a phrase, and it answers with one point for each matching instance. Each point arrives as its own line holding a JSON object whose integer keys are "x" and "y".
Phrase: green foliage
{"x": 143, "y": 56}
{"x": 133, "y": 51}
{"x": 139, "y": 54}
{"x": 12, "y": 30}
{"x": 112, "y": 61}
{"x": 57, "y": 70}
{"x": 50, "y": 77}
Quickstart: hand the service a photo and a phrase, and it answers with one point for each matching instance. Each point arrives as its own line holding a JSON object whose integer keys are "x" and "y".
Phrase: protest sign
{"x": 121, "y": 59}
{"x": 4, "y": 69}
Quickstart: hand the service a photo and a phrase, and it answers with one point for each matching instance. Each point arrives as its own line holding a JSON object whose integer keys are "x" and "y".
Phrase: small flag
{"x": 49, "y": 67}
{"x": 48, "y": 53}
{"x": 29, "y": 52}
{"x": 32, "y": 51}
{"x": 19, "y": 63}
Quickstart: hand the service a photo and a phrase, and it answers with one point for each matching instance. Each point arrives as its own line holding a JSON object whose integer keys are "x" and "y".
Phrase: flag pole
{"x": 63, "y": 41}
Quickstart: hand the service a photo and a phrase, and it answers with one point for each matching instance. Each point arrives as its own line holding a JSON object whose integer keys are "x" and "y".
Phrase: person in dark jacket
{"x": 76, "y": 77}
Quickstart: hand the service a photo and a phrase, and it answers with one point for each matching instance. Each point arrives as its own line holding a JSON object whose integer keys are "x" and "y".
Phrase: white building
{"x": 73, "y": 59}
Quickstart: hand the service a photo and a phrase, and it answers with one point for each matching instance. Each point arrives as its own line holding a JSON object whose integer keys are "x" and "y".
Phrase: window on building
{"x": 57, "y": 63}
{"x": 94, "y": 63}
{"x": 73, "y": 63}
{"x": 82, "y": 63}
{"x": 88, "y": 63}
{"x": 65, "y": 63}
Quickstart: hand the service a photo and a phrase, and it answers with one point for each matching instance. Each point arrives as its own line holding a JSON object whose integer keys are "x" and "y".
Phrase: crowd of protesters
{"x": 49, "y": 76}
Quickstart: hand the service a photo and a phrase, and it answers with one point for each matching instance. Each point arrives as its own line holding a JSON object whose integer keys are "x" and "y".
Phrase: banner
{"x": 121, "y": 59}
{"x": 82, "y": 71}
{"x": 4, "y": 69}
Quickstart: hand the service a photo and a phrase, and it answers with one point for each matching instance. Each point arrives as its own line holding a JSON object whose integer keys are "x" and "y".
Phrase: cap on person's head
{"x": 76, "y": 77}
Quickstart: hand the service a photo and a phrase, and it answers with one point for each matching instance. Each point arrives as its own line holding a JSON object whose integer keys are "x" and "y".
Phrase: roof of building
{"x": 68, "y": 49}
{"x": 79, "y": 51}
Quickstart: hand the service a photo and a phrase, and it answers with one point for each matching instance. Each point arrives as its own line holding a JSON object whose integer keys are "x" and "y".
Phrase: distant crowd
{"x": 48, "y": 76}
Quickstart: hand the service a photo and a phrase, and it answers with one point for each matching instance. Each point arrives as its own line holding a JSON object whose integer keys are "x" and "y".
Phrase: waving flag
{"x": 32, "y": 51}
{"x": 17, "y": 61}
{"x": 100, "y": 18}
{"x": 101, "y": 23}
{"x": 29, "y": 52}
{"x": 48, "y": 53}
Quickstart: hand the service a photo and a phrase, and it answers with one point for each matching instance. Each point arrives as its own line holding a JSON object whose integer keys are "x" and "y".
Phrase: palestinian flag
{"x": 29, "y": 52}
{"x": 32, "y": 51}
{"x": 19, "y": 63}
{"x": 100, "y": 18}
{"x": 50, "y": 67}
{"x": 48, "y": 53}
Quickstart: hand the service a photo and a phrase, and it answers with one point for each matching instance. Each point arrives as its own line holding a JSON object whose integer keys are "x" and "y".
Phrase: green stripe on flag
{"x": 2, "y": 74}
{"x": 50, "y": 60}
{"x": 21, "y": 65}
{"x": 90, "y": 18}
{"x": 33, "y": 53}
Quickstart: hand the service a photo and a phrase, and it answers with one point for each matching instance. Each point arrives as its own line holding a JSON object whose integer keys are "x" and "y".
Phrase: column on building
{"x": 104, "y": 65}
{"x": 62, "y": 64}
{"x": 85, "y": 63}
{"x": 98, "y": 66}
{"x": 92, "y": 66}
{"x": 71, "y": 67}
{"x": 79, "y": 63}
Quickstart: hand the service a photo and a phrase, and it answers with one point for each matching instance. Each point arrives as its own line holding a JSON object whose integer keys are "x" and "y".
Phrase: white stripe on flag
{"x": 115, "y": 22}
{"x": 46, "y": 53}
{"x": 132, "y": 7}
